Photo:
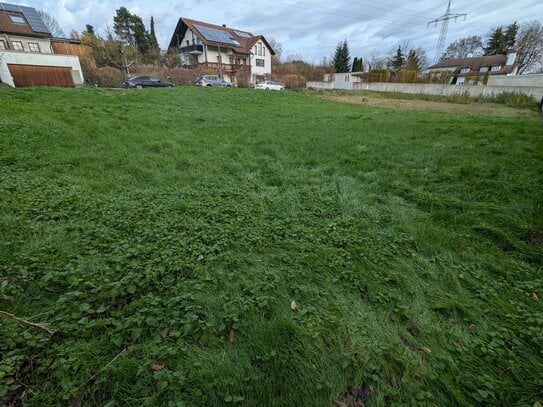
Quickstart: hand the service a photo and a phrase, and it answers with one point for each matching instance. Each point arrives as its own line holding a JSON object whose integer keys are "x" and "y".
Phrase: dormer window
{"x": 17, "y": 18}
{"x": 484, "y": 69}
{"x": 464, "y": 70}
{"x": 495, "y": 68}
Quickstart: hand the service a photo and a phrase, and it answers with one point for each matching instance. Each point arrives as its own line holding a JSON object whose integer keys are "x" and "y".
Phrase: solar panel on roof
{"x": 31, "y": 15}
{"x": 212, "y": 34}
{"x": 243, "y": 34}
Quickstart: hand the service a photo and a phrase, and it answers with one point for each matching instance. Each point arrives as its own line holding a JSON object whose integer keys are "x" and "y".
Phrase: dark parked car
{"x": 212, "y": 80}
{"x": 146, "y": 82}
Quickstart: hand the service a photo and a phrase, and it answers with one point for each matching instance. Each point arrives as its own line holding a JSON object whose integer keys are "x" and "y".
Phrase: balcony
{"x": 195, "y": 49}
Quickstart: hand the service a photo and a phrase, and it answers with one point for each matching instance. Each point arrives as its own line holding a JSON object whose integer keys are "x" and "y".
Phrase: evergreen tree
{"x": 141, "y": 36}
{"x": 358, "y": 65}
{"x": 152, "y": 36}
{"x": 511, "y": 36}
{"x": 89, "y": 29}
{"x": 123, "y": 25}
{"x": 342, "y": 58}
{"x": 500, "y": 41}
{"x": 397, "y": 62}
{"x": 413, "y": 62}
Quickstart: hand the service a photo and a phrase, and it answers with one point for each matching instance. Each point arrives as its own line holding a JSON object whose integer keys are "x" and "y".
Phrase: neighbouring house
{"x": 29, "y": 56}
{"x": 473, "y": 70}
{"x": 341, "y": 80}
{"x": 230, "y": 52}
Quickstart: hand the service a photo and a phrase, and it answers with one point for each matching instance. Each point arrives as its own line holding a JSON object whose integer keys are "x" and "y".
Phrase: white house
{"x": 226, "y": 50}
{"x": 27, "y": 56}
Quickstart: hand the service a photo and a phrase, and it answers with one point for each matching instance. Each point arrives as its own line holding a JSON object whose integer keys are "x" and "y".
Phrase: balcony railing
{"x": 195, "y": 49}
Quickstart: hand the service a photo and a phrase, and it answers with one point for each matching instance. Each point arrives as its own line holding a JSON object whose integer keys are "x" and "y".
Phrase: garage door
{"x": 35, "y": 75}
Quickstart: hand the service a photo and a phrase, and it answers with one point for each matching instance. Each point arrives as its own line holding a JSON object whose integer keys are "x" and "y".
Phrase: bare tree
{"x": 278, "y": 49}
{"x": 52, "y": 24}
{"x": 463, "y": 47}
{"x": 529, "y": 47}
{"x": 376, "y": 61}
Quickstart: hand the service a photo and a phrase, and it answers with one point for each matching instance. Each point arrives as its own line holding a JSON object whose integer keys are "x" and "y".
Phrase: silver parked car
{"x": 212, "y": 80}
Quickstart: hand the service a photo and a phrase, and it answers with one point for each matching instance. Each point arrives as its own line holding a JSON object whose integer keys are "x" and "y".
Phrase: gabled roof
{"x": 476, "y": 63}
{"x": 31, "y": 23}
{"x": 238, "y": 40}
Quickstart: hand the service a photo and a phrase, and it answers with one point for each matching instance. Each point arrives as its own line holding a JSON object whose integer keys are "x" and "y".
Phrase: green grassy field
{"x": 165, "y": 235}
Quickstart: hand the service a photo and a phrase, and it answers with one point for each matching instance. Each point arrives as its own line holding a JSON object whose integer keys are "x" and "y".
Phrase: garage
{"x": 36, "y": 75}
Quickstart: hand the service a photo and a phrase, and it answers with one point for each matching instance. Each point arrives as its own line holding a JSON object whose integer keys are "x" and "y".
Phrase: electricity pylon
{"x": 444, "y": 26}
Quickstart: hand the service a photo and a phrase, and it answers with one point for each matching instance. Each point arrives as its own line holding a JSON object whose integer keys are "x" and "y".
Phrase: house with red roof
{"x": 227, "y": 51}
{"x": 30, "y": 56}
{"x": 473, "y": 70}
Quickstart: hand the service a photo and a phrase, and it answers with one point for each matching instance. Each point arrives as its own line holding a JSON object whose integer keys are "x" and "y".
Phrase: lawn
{"x": 209, "y": 247}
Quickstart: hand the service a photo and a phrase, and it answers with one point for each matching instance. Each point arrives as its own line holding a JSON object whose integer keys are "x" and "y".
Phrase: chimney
{"x": 224, "y": 25}
{"x": 511, "y": 58}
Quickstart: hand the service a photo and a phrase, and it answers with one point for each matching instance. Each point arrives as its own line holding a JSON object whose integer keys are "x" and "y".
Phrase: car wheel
{"x": 139, "y": 86}
{"x": 170, "y": 86}
{"x": 208, "y": 85}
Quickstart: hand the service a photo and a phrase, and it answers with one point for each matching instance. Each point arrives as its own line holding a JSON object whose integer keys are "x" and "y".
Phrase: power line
{"x": 326, "y": 10}
{"x": 444, "y": 19}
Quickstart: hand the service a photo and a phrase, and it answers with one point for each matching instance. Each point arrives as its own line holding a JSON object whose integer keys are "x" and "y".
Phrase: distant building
{"x": 29, "y": 56}
{"x": 224, "y": 50}
{"x": 473, "y": 69}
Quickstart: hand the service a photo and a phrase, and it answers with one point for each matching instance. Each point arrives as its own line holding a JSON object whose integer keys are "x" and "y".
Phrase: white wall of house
{"x": 30, "y": 58}
{"x": 43, "y": 43}
{"x": 265, "y": 55}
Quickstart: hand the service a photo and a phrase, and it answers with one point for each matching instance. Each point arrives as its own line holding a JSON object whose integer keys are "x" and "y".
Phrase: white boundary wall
{"x": 434, "y": 89}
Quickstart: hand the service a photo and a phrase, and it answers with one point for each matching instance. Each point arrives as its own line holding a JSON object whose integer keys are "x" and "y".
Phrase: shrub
{"x": 378, "y": 75}
{"x": 179, "y": 76}
{"x": 243, "y": 79}
{"x": 107, "y": 77}
{"x": 294, "y": 81}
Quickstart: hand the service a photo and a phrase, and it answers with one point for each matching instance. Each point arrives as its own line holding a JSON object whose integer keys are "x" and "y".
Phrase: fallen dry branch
{"x": 28, "y": 323}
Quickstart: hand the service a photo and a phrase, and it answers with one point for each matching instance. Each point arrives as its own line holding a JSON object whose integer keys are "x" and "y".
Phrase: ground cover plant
{"x": 235, "y": 247}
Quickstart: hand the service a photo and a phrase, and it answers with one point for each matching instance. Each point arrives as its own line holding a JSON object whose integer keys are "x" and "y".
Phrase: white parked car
{"x": 269, "y": 85}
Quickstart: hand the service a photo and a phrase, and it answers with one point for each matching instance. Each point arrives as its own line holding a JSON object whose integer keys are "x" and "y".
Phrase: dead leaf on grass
{"x": 535, "y": 296}
{"x": 165, "y": 332}
{"x": 293, "y": 306}
{"x": 157, "y": 366}
{"x": 232, "y": 336}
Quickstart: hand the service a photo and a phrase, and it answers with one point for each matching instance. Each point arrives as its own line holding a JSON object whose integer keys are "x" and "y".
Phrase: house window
{"x": 495, "y": 68}
{"x": 464, "y": 70}
{"x": 17, "y": 19}
{"x": 255, "y": 50}
{"x": 34, "y": 47}
{"x": 264, "y": 51}
{"x": 188, "y": 43}
{"x": 17, "y": 45}
{"x": 259, "y": 49}
{"x": 260, "y": 62}
{"x": 2, "y": 44}
{"x": 346, "y": 78}
{"x": 483, "y": 69}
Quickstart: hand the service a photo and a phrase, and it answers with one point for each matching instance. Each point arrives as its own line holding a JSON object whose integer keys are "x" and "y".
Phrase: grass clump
{"x": 166, "y": 233}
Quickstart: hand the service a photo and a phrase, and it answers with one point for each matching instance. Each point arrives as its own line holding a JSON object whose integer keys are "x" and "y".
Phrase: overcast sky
{"x": 309, "y": 28}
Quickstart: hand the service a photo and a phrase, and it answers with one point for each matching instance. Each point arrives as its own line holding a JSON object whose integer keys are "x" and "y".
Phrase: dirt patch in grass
{"x": 427, "y": 106}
